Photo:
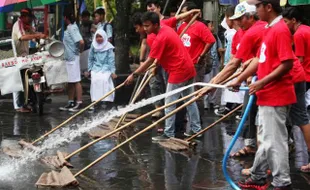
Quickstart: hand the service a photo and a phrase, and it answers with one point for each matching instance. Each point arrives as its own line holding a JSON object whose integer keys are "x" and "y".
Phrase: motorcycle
{"x": 38, "y": 90}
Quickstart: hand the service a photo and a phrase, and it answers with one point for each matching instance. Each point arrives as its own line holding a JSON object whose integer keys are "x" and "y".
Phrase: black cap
{"x": 26, "y": 12}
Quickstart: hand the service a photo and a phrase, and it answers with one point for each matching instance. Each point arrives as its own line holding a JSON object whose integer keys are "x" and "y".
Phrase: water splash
{"x": 9, "y": 168}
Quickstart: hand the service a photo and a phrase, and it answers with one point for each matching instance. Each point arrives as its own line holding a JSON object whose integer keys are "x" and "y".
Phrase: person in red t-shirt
{"x": 171, "y": 22}
{"x": 160, "y": 78}
{"x": 245, "y": 46}
{"x": 173, "y": 57}
{"x": 250, "y": 37}
{"x": 275, "y": 93}
{"x": 198, "y": 40}
{"x": 292, "y": 16}
{"x": 157, "y": 82}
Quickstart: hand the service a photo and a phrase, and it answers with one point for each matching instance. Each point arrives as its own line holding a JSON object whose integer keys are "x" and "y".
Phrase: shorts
{"x": 298, "y": 112}
{"x": 73, "y": 70}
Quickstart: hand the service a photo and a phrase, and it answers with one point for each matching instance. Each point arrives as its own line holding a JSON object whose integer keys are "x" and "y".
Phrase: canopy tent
{"x": 19, "y": 4}
{"x": 10, "y": 2}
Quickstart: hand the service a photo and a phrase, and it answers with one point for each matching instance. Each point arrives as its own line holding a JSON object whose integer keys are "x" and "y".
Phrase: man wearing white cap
{"x": 247, "y": 48}
{"x": 275, "y": 93}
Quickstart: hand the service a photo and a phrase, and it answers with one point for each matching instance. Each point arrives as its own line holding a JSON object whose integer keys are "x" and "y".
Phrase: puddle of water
{"x": 8, "y": 167}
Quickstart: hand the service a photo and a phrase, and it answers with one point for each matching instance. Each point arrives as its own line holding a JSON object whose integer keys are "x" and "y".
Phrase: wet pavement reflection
{"x": 139, "y": 165}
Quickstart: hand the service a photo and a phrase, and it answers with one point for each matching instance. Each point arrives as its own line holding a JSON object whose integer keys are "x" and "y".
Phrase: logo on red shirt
{"x": 186, "y": 39}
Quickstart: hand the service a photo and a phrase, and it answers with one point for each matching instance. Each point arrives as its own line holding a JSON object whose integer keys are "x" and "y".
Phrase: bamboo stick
{"x": 179, "y": 10}
{"x": 133, "y": 100}
{"x": 139, "y": 133}
{"x": 213, "y": 124}
{"x": 231, "y": 77}
{"x": 130, "y": 123}
{"x": 141, "y": 82}
{"x": 187, "y": 141}
{"x": 189, "y": 24}
{"x": 138, "y": 91}
{"x": 78, "y": 113}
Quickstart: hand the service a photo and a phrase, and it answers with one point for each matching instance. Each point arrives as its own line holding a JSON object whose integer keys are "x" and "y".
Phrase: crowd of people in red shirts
{"x": 262, "y": 40}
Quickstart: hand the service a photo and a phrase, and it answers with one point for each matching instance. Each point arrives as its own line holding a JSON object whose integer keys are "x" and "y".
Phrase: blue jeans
{"x": 192, "y": 109}
{"x": 157, "y": 85}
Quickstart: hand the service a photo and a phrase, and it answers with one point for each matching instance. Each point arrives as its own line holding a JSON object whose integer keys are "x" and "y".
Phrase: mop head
{"x": 57, "y": 179}
{"x": 27, "y": 145}
{"x": 175, "y": 144}
{"x": 56, "y": 162}
{"x": 101, "y": 130}
{"x": 178, "y": 145}
{"x": 106, "y": 128}
{"x": 12, "y": 152}
{"x": 15, "y": 149}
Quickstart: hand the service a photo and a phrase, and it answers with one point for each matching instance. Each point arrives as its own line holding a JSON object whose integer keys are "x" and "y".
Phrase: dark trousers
{"x": 250, "y": 128}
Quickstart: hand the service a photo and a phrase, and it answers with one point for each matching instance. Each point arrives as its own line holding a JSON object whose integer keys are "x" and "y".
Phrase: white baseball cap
{"x": 241, "y": 9}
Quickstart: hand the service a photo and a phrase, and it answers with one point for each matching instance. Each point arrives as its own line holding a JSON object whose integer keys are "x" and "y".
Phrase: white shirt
{"x": 22, "y": 46}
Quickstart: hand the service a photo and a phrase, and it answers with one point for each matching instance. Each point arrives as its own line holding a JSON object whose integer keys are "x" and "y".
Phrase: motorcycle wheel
{"x": 39, "y": 103}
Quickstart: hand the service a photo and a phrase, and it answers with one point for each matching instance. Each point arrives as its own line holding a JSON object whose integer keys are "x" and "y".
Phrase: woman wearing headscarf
{"x": 101, "y": 67}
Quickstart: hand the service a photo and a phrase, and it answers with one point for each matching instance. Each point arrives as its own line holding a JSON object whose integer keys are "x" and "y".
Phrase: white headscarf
{"x": 105, "y": 45}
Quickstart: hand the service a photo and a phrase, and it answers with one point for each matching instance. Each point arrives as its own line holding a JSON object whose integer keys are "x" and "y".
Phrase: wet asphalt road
{"x": 139, "y": 165}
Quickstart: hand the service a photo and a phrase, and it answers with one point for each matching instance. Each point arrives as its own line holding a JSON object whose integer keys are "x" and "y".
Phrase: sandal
{"x": 305, "y": 169}
{"x": 245, "y": 151}
{"x": 247, "y": 172}
{"x": 23, "y": 110}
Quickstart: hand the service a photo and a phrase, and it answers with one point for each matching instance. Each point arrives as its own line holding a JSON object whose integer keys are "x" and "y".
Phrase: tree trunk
{"x": 121, "y": 39}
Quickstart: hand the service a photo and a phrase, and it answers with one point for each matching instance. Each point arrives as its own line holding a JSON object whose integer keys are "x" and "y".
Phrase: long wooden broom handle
{"x": 130, "y": 123}
{"x": 179, "y": 10}
{"x": 231, "y": 77}
{"x": 142, "y": 81}
{"x": 78, "y": 113}
{"x": 139, "y": 133}
{"x": 133, "y": 95}
{"x": 142, "y": 85}
{"x": 222, "y": 118}
{"x": 189, "y": 24}
{"x": 134, "y": 99}
{"x": 213, "y": 124}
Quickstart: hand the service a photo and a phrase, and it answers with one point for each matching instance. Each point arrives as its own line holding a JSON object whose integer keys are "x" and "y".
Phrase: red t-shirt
{"x": 297, "y": 72}
{"x": 171, "y": 22}
{"x": 302, "y": 47}
{"x": 168, "y": 49}
{"x": 195, "y": 38}
{"x": 236, "y": 40}
{"x": 276, "y": 47}
{"x": 251, "y": 41}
